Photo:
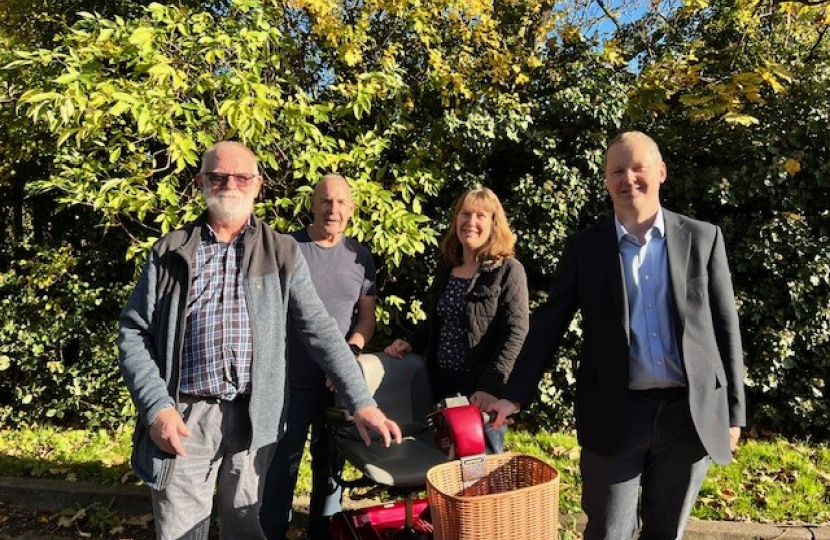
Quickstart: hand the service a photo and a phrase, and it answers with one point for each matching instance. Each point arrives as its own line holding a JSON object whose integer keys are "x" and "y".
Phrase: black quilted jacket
{"x": 496, "y": 322}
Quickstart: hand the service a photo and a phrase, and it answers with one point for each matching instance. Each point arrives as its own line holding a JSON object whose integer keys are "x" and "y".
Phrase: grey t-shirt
{"x": 341, "y": 275}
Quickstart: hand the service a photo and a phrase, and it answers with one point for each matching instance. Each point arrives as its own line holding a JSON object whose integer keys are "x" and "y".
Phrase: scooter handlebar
{"x": 488, "y": 417}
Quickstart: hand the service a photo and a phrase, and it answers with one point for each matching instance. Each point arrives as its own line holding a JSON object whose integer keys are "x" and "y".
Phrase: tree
{"x": 370, "y": 90}
{"x": 63, "y": 278}
{"x": 738, "y": 94}
{"x": 416, "y": 102}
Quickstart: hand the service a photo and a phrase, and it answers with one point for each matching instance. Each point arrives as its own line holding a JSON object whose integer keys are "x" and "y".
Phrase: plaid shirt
{"x": 216, "y": 361}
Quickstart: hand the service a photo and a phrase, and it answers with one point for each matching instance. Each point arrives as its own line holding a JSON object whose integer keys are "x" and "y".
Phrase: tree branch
{"x": 815, "y": 45}
{"x": 602, "y": 6}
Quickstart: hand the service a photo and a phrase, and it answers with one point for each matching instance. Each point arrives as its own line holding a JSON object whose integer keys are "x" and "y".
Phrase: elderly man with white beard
{"x": 202, "y": 351}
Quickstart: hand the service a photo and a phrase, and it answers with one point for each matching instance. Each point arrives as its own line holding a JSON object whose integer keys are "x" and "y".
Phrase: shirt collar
{"x": 209, "y": 235}
{"x": 659, "y": 224}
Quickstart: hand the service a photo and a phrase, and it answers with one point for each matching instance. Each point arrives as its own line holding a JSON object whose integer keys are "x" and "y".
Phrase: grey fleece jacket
{"x": 278, "y": 288}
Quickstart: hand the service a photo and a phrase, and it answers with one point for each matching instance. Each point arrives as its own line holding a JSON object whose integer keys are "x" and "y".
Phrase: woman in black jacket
{"x": 477, "y": 316}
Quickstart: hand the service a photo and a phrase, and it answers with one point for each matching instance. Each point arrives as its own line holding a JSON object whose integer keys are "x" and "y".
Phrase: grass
{"x": 67, "y": 454}
{"x": 776, "y": 482}
{"x": 770, "y": 481}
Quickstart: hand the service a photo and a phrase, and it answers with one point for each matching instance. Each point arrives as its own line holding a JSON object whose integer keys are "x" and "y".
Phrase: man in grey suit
{"x": 660, "y": 380}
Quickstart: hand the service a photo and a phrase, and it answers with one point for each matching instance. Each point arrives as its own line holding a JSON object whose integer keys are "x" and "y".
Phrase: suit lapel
{"x": 612, "y": 263}
{"x": 678, "y": 244}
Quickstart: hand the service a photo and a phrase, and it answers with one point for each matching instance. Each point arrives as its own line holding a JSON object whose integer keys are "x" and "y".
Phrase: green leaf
{"x": 37, "y": 97}
{"x": 125, "y": 97}
{"x": 142, "y": 37}
{"x": 119, "y": 108}
{"x": 67, "y": 78}
{"x": 105, "y": 34}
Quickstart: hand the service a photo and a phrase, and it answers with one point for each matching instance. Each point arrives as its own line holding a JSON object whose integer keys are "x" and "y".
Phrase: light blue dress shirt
{"x": 654, "y": 359}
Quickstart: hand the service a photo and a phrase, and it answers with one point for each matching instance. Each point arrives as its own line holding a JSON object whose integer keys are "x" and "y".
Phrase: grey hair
{"x": 209, "y": 157}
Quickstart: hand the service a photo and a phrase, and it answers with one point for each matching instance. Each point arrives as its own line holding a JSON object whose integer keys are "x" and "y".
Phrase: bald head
{"x": 331, "y": 180}
{"x": 332, "y": 206}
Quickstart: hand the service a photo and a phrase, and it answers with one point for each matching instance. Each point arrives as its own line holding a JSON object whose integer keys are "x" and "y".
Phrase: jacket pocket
{"x": 483, "y": 293}
{"x": 150, "y": 464}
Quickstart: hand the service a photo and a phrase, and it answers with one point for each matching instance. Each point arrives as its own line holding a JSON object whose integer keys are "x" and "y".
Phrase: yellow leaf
{"x": 161, "y": 71}
{"x": 695, "y": 100}
{"x": 693, "y": 6}
{"x": 571, "y": 34}
{"x": 65, "y": 135}
{"x": 772, "y": 80}
{"x": 792, "y": 166}
{"x": 352, "y": 57}
{"x": 612, "y": 54}
{"x": 755, "y": 97}
{"x": 125, "y": 97}
{"x": 738, "y": 118}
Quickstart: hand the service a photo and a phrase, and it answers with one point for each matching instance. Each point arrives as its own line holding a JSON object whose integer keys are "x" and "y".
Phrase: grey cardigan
{"x": 278, "y": 288}
{"x": 496, "y": 322}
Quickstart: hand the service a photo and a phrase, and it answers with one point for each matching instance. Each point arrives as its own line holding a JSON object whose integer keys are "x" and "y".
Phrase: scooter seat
{"x": 402, "y": 390}
{"x": 399, "y": 465}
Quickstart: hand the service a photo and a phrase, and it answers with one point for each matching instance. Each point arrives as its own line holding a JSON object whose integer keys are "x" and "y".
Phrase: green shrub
{"x": 57, "y": 339}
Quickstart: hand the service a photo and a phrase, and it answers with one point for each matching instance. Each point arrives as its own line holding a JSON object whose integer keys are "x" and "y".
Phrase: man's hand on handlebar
{"x": 367, "y": 418}
{"x": 504, "y": 408}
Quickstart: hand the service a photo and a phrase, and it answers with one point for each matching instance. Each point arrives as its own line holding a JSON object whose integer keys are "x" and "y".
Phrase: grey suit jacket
{"x": 590, "y": 279}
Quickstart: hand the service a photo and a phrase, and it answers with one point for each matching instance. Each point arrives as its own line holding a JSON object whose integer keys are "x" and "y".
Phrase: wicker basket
{"x": 518, "y": 499}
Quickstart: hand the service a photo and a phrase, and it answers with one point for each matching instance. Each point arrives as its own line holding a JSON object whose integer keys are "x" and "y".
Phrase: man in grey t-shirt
{"x": 343, "y": 273}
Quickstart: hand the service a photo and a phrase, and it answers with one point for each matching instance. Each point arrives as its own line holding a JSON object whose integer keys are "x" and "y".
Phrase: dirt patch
{"x": 74, "y": 524}
{"x": 93, "y": 524}
{"x": 97, "y": 522}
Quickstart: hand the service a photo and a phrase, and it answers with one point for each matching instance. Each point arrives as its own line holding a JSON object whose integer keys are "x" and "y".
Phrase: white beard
{"x": 228, "y": 206}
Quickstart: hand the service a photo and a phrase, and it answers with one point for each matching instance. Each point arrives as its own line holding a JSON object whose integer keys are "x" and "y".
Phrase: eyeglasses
{"x": 218, "y": 179}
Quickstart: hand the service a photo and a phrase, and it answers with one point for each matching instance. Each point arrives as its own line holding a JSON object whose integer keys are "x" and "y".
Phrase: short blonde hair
{"x": 502, "y": 241}
{"x": 629, "y": 137}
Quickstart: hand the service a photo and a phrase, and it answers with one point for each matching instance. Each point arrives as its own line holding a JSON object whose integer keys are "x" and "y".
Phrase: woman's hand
{"x": 482, "y": 400}
{"x": 398, "y": 348}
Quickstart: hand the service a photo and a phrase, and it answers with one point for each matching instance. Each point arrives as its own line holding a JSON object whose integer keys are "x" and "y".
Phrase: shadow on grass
{"x": 46, "y": 468}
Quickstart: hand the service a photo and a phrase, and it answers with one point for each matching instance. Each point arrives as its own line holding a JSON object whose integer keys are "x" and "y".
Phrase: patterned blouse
{"x": 450, "y": 309}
